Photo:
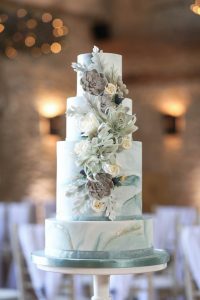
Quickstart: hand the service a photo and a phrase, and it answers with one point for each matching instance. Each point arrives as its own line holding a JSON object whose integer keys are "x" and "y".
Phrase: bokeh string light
{"x": 196, "y": 7}
{"x": 56, "y": 48}
{"x": 37, "y": 33}
{"x": 46, "y": 17}
{"x": 2, "y": 27}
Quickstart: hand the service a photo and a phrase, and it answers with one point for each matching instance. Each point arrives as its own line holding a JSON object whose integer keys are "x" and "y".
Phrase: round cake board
{"x": 101, "y": 269}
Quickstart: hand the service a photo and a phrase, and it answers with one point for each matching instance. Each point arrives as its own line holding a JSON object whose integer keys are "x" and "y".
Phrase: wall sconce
{"x": 172, "y": 110}
{"x": 52, "y": 118}
{"x": 56, "y": 124}
{"x": 52, "y": 126}
{"x": 172, "y": 124}
{"x": 195, "y": 8}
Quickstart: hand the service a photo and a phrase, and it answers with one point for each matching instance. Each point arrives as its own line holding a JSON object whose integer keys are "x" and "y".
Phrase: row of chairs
{"x": 25, "y": 212}
{"x": 20, "y": 234}
{"x": 178, "y": 279}
{"x": 32, "y": 283}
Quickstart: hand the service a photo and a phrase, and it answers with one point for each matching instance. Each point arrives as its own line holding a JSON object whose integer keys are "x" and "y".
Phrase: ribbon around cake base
{"x": 70, "y": 254}
{"x": 157, "y": 257}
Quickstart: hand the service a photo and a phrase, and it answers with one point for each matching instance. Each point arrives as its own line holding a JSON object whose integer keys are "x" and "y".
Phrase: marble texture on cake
{"x": 62, "y": 236}
{"x": 128, "y": 195}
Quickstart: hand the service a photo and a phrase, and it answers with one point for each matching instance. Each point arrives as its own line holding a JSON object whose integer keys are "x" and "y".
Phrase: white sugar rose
{"x": 89, "y": 124}
{"x": 98, "y": 205}
{"x": 81, "y": 147}
{"x": 110, "y": 89}
{"x": 126, "y": 142}
{"x": 111, "y": 169}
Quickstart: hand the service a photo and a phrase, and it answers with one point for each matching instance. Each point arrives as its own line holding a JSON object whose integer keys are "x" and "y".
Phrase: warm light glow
{"x": 2, "y": 27}
{"x": 173, "y": 108}
{"x": 196, "y": 7}
{"x": 173, "y": 143}
{"x": 50, "y": 108}
{"x": 46, "y": 17}
{"x": 21, "y": 12}
{"x": 11, "y": 52}
{"x": 57, "y": 32}
{"x": 31, "y": 24}
{"x": 172, "y": 101}
{"x": 57, "y": 23}
{"x": 45, "y": 48}
{"x": 29, "y": 41}
{"x": 56, "y": 48}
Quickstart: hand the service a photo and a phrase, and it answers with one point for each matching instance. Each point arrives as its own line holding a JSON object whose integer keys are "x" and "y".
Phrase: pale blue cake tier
{"x": 133, "y": 237}
{"x": 128, "y": 195}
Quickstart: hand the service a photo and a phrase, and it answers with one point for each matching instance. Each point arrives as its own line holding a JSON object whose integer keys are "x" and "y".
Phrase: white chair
{"x": 5, "y": 293}
{"x": 16, "y": 213}
{"x": 167, "y": 224}
{"x": 2, "y": 241}
{"x": 33, "y": 283}
{"x": 190, "y": 241}
{"x": 8, "y": 294}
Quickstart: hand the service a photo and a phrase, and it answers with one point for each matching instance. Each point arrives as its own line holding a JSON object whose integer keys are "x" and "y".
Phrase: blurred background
{"x": 160, "y": 44}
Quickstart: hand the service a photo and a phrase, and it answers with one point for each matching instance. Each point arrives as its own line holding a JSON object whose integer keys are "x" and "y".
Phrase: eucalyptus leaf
{"x": 79, "y": 67}
{"x": 96, "y": 62}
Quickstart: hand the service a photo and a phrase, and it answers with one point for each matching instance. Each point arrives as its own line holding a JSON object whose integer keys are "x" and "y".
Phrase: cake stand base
{"x": 101, "y": 273}
{"x": 101, "y": 287}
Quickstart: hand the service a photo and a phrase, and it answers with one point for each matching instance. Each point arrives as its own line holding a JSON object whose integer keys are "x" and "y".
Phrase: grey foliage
{"x": 79, "y": 67}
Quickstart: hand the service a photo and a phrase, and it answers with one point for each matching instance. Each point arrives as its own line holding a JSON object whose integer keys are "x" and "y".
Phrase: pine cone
{"x": 102, "y": 187}
{"x": 93, "y": 82}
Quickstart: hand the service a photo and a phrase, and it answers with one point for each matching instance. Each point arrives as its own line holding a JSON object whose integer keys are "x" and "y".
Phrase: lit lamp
{"x": 195, "y": 8}
{"x": 51, "y": 113}
{"x": 172, "y": 117}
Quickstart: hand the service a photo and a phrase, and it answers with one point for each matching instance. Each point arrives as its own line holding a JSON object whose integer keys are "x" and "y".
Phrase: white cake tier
{"x": 63, "y": 236}
{"x": 73, "y": 131}
{"x": 109, "y": 61}
{"x": 128, "y": 195}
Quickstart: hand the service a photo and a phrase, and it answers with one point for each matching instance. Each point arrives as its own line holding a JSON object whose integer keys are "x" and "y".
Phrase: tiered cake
{"x": 99, "y": 170}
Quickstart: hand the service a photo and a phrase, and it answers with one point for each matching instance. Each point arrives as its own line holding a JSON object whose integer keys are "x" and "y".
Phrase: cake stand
{"x": 101, "y": 269}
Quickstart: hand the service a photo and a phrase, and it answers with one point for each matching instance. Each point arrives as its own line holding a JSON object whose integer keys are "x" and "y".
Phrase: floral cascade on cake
{"x": 106, "y": 128}
{"x": 99, "y": 169}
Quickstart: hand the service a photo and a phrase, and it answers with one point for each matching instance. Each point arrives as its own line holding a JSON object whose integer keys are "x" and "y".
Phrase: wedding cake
{"x": 99, "y": 170}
